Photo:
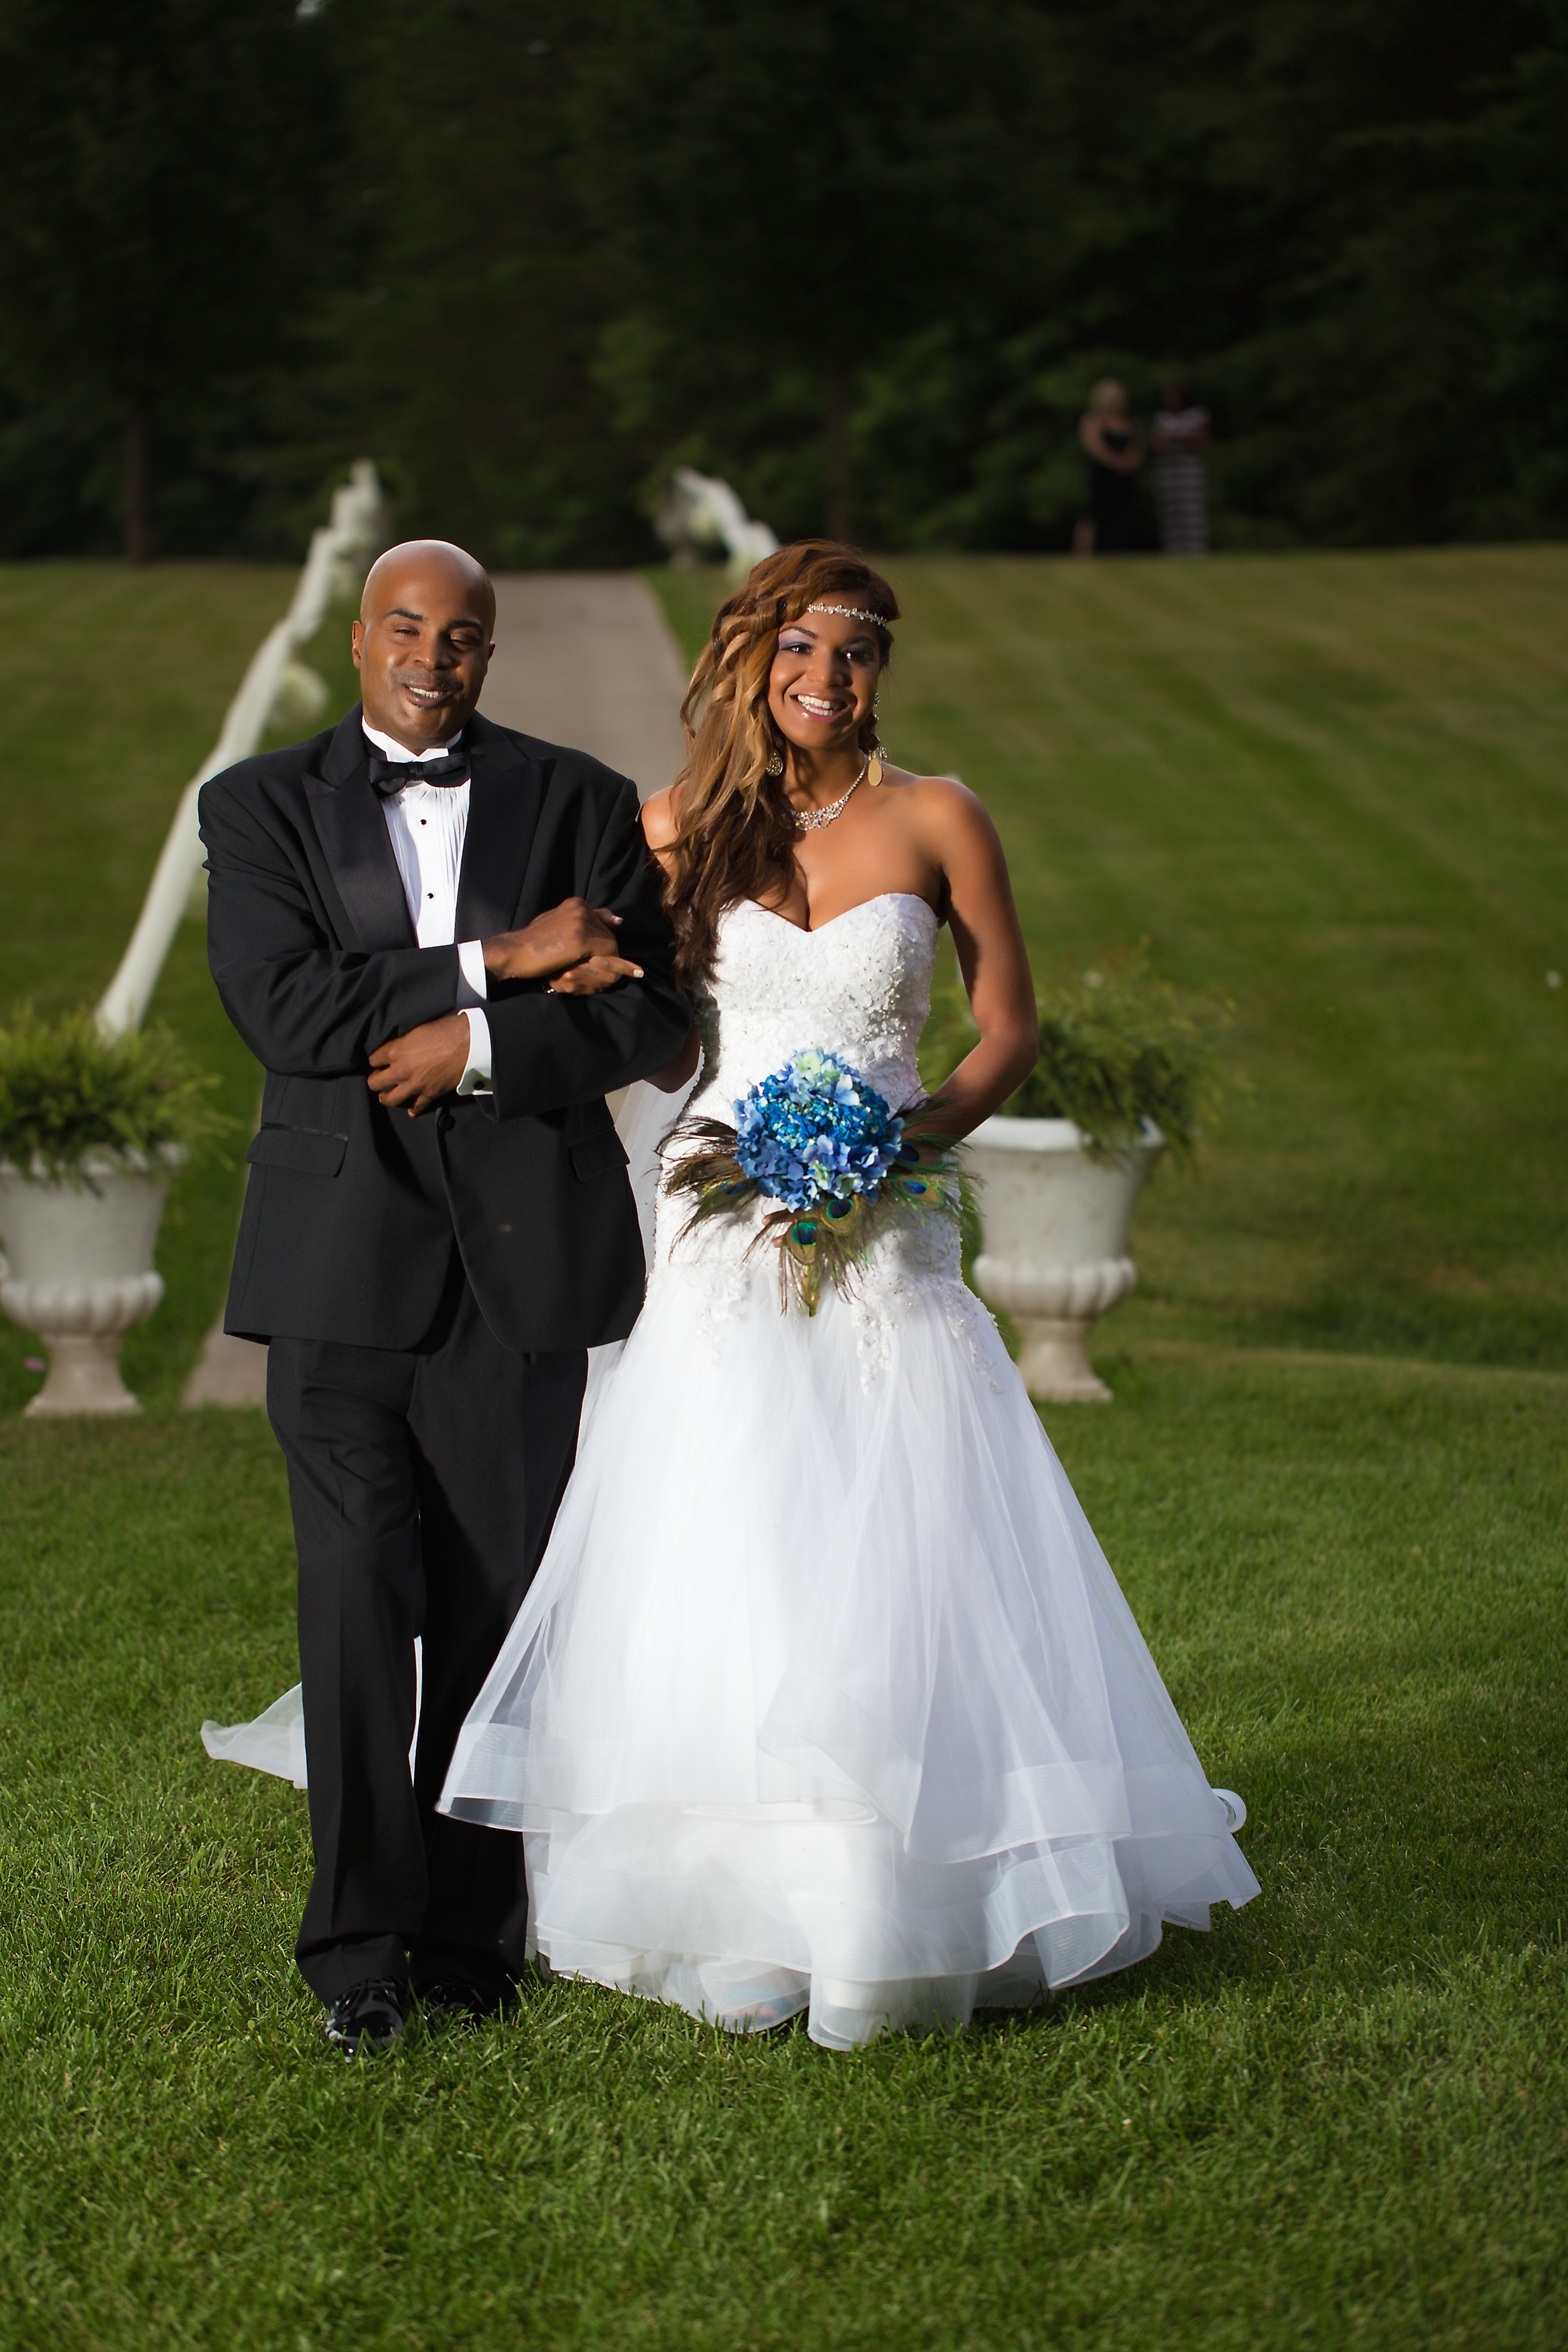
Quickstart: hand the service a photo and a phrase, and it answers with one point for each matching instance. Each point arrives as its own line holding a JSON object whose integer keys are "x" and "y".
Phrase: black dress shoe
{"x": 368, "y": 2016}
{"x": 458, "y": 2001}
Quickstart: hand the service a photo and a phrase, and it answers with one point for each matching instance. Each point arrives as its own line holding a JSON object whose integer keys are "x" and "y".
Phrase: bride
{"x": 825, "y": 1697}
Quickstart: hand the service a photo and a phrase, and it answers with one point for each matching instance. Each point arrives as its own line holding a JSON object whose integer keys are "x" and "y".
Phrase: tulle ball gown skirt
{"x": 825, "y": 1697}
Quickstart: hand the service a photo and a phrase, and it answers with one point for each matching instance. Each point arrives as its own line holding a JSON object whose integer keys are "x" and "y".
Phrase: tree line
{"x": 531, "y": 254}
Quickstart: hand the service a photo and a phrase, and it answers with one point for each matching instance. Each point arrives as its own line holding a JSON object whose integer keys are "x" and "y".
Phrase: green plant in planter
{"x": 1118, "y": 1046}
{"x": 68, "y": 1091}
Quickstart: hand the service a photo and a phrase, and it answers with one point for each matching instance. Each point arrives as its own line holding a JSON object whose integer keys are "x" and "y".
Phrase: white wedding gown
{"x": 825, "y": 1697}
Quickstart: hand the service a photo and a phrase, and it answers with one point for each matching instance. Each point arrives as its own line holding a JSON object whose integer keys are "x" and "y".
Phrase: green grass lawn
{"x": 1339, "y": 2119}
{"x": 1332, "y": 1483}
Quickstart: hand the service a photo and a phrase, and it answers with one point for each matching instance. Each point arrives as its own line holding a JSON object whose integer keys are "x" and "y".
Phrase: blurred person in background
{"x": 1114, "y": 447}
{"x": 1181, "y": 436}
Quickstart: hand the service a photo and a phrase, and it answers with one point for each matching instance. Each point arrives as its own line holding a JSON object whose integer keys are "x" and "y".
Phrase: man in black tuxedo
{"x": 412, "y": 919}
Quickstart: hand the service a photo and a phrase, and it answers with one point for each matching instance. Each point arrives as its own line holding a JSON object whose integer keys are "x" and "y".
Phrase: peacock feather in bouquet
{"x": 814, "y": 1138}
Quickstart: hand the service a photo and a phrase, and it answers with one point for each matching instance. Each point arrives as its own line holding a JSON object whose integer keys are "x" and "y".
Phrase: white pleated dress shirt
{"x": 428, "y": 825}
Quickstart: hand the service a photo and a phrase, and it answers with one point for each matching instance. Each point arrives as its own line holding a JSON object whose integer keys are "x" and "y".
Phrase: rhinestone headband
{"x": 853, "y": 612}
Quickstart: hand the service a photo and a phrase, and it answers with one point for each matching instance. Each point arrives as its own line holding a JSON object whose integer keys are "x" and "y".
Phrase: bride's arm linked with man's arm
{"x": 610, "y": 1010}
{"x": 310, "y": 1009}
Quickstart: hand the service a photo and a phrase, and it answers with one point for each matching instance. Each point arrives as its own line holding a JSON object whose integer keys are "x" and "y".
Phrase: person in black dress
{"x": 1114, "y": 449}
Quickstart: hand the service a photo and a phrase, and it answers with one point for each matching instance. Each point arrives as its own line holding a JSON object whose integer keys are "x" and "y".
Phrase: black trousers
{"x": 424, "y": 1483}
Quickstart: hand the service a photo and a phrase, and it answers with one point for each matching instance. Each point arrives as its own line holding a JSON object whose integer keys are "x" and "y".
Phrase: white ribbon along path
{"x": 338, "y": 554}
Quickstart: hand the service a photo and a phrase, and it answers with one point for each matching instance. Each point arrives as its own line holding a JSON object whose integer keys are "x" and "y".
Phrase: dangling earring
{"x": 775, "y": 761}
{"x": 876, "y": 759}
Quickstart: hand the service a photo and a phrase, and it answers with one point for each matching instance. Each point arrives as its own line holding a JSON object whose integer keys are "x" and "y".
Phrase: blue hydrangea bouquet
{"x": 826, "y": 1146}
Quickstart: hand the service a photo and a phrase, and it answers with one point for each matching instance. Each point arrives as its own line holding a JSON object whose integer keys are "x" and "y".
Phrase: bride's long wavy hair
{"x": 736, "y": 836}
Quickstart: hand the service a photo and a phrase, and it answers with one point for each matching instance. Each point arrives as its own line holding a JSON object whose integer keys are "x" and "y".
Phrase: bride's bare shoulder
{"x": 660, "y": 823}
{"x": 925, "y": 787}
{"x": 939, "y": 801}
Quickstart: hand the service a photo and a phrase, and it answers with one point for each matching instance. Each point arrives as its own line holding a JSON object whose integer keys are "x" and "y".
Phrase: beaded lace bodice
{"x": 858, "y": 987}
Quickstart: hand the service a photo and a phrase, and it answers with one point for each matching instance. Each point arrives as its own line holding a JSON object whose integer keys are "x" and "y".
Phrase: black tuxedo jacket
{"x": 350, "y": 1210}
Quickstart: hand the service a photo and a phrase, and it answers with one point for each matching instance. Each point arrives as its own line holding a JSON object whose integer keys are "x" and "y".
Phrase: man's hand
{"x": 412, "y": 1072}
{"x": 572, "y": 933}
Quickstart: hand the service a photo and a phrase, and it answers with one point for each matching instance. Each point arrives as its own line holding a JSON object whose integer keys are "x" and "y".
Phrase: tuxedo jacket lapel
{"x": 504, "y": 798}
{"x": 352, "y": 825}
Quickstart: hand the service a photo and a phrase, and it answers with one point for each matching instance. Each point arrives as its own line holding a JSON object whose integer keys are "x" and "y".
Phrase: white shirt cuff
{"x": 476, "y": 1077}
{"x": 472, "y": 988}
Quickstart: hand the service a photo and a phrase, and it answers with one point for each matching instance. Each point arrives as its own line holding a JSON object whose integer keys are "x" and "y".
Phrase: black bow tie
{"x": 390, "y": 776}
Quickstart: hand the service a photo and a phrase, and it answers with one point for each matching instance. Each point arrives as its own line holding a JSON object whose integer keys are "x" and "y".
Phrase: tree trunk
{"x": 836, "y": 433}
{"x": 134, "y": 504}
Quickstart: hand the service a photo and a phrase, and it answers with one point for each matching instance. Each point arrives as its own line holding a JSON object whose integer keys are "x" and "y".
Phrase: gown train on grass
{"x": 824, "y": 1696}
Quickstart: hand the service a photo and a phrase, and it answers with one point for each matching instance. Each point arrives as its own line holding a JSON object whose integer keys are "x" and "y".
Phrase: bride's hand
{"x": 591, "y": 976}
{"x": 556, "y": 943}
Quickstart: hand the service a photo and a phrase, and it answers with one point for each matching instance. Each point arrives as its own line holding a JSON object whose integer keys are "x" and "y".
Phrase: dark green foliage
{"x": 529, "y": 255}
{"x": 168, "y": 185}
{"x": 469, "y": 354}
{"x": 68, "y": 1091}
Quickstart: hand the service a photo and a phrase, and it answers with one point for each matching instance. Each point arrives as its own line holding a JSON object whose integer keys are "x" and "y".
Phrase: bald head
{"x": 422, "y": 642}
{"x": 428, "y": 561}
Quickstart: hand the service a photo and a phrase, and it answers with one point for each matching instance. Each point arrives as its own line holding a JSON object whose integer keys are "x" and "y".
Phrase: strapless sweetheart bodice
{"x": 858, "y": 987}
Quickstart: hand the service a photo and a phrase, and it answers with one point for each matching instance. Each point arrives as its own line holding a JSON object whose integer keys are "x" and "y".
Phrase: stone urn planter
{"x": 78, "y": 1268}
{"x": 1056, "y": 1222}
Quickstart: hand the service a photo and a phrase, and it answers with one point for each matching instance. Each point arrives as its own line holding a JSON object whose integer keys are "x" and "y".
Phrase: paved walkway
{"x": 582, "y": 657}
{"x": 587, "y": 658}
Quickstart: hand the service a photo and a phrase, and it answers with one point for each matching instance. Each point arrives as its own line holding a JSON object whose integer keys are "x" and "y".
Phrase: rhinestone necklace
{"x": 812, "y": 820}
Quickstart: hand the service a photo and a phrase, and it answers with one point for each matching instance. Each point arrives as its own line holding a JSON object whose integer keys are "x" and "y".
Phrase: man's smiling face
{"x": 422, "y": 643}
